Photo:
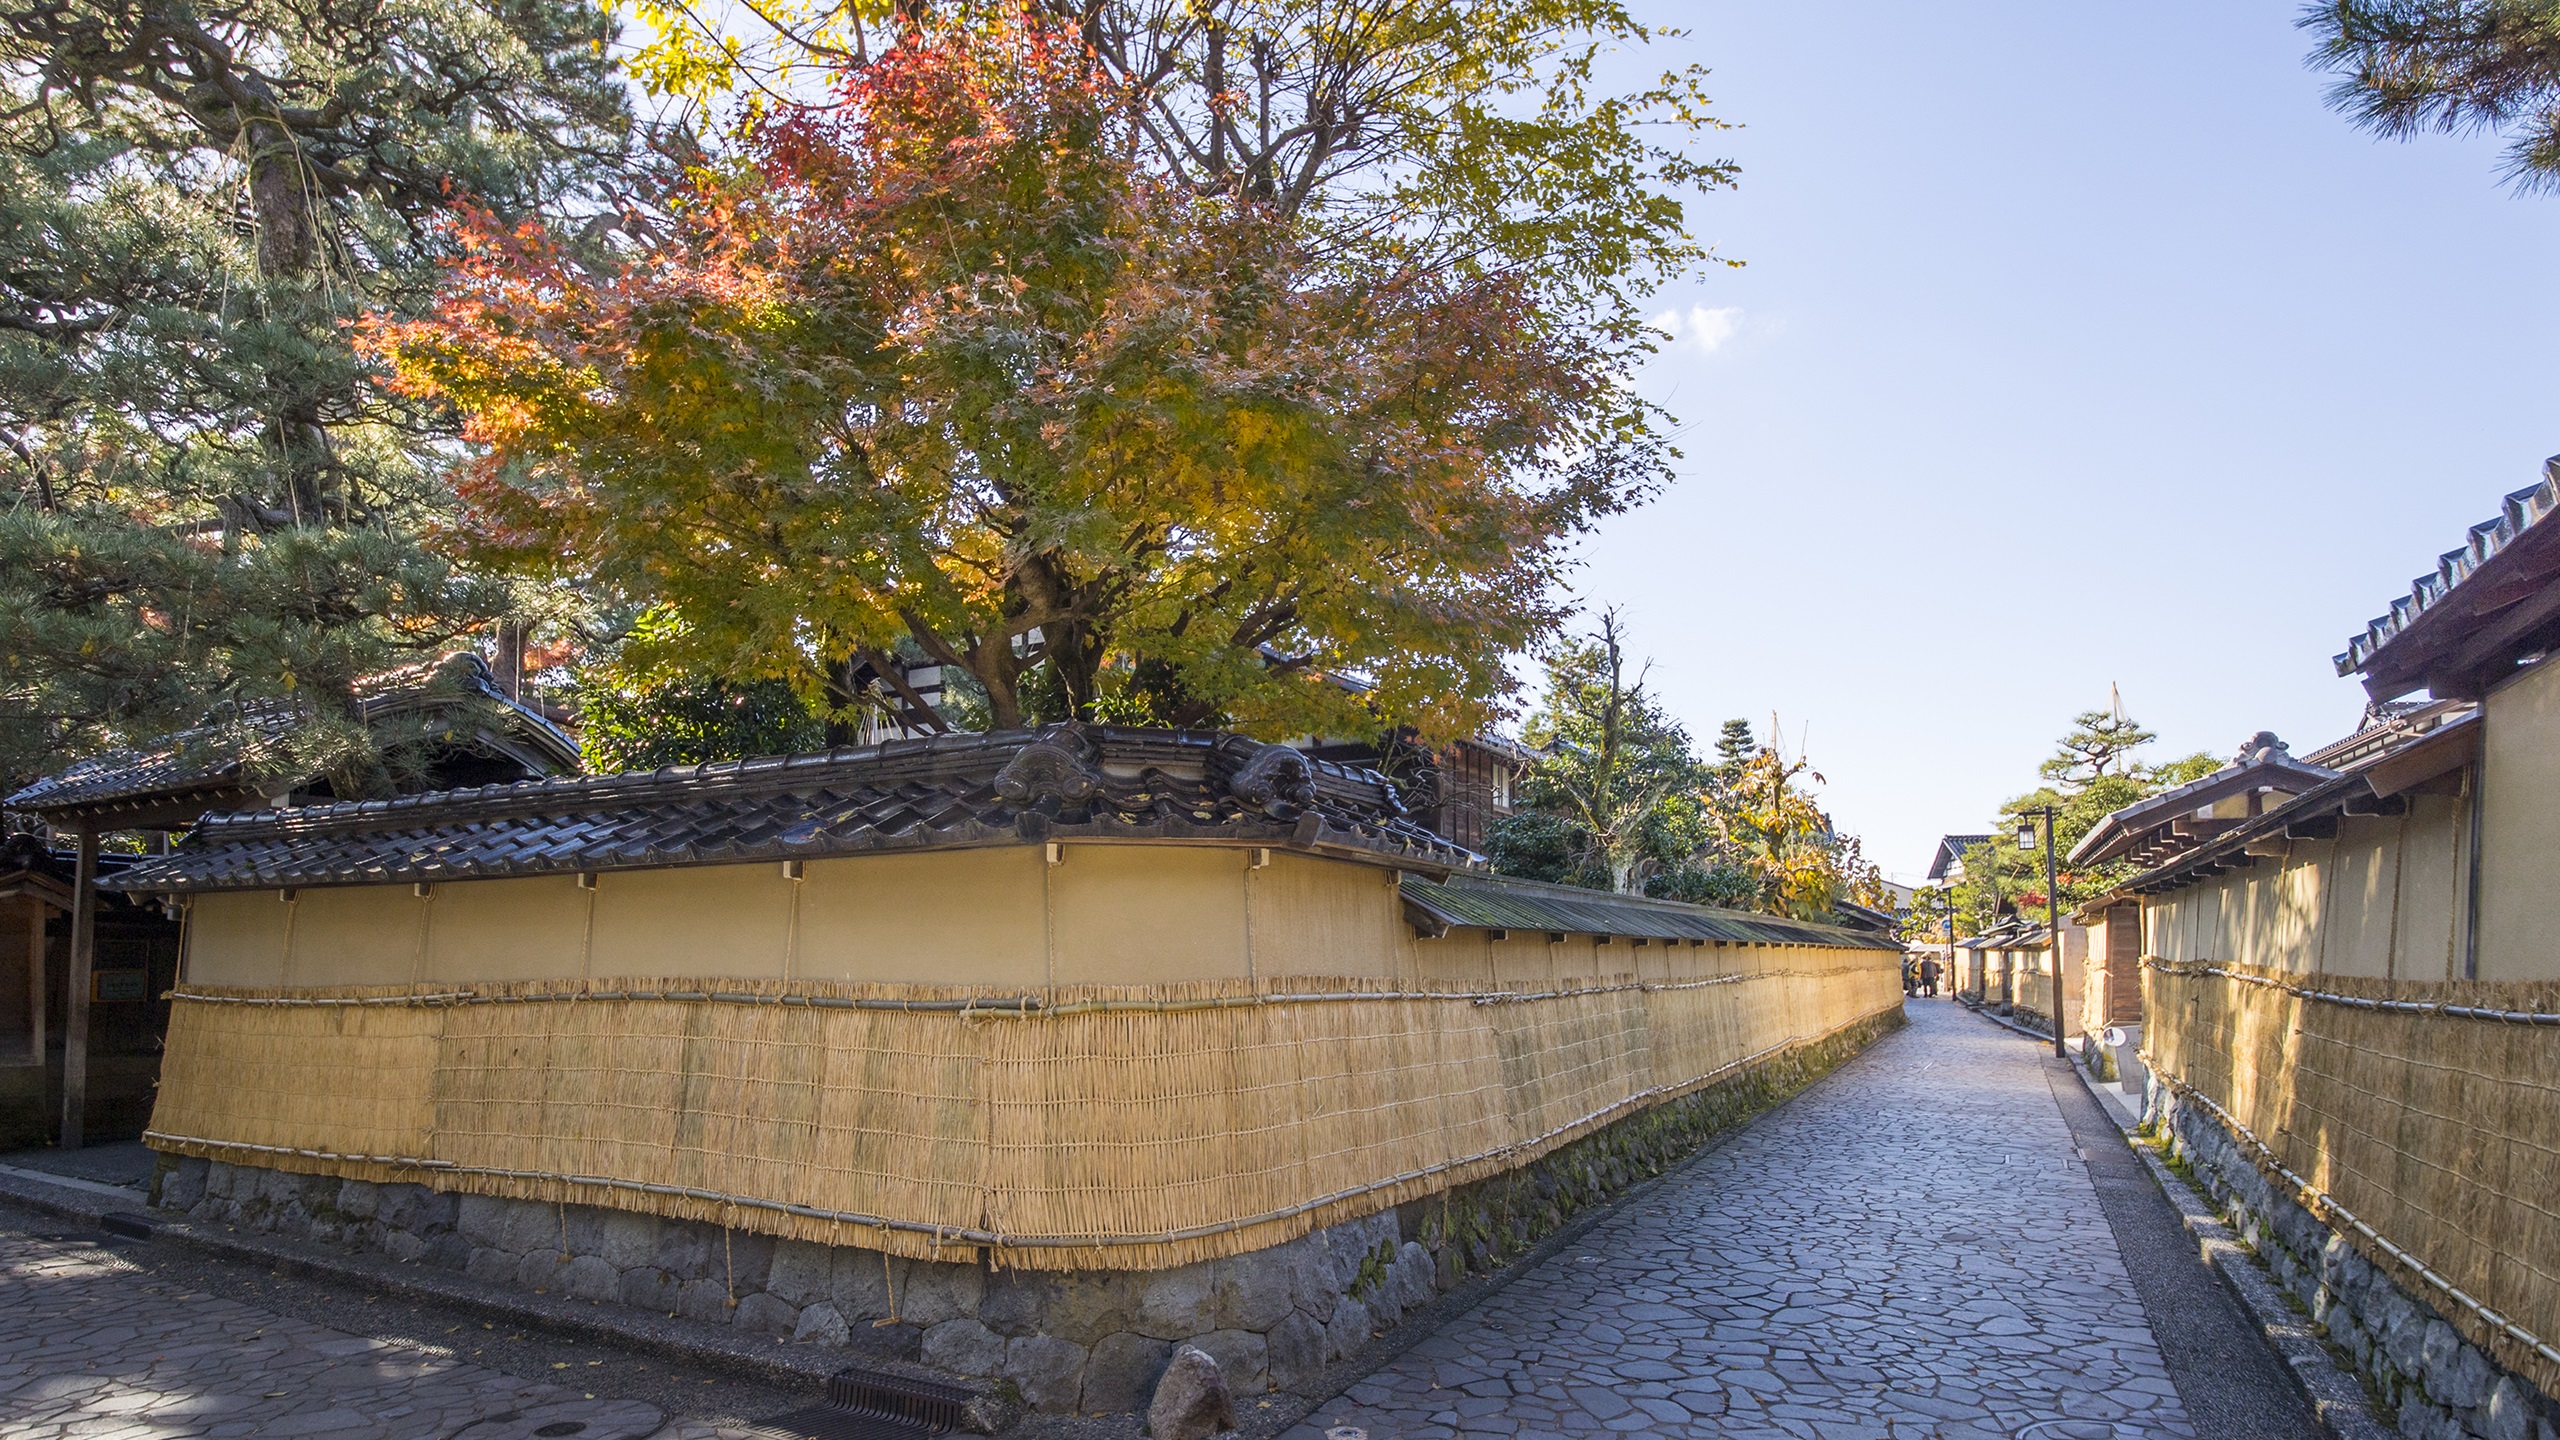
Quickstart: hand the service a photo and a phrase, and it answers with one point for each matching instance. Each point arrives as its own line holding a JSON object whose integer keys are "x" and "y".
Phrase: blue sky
{"x": 2076, "y": 344}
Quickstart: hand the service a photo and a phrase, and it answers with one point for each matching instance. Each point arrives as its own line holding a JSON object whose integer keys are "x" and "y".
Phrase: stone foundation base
{"x": 1092, "y": 1341}
{"x": 2413, "y": 1359}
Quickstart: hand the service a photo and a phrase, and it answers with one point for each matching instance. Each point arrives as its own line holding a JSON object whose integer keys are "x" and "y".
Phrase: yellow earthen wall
{"x": 2520, "y": 828}
{"x": 1005, "y": 916}
{"x": 2380, "y": 901}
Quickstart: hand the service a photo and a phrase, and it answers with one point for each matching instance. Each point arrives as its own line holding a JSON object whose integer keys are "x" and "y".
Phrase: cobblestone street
{"x": 97, "y": 1344}
{"x": 1911, "y": 1249}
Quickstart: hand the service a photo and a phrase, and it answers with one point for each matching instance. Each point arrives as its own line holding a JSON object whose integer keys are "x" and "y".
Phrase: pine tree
{"x": 205, "y": 495}
{"x": 2409, "y": 67}
{"x": 2100, "y": 743}
{"x": 1734, "y": 745}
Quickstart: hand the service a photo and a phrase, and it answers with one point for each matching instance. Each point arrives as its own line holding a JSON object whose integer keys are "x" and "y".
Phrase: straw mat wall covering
{"x": 2431, "y": 1139}
{"x": 1083, "y": 1128}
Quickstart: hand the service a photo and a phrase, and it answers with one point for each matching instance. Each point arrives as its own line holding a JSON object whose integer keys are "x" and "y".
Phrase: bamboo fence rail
{"x": 2421, "y": 1119}
{"x": 1075, "y": 1128}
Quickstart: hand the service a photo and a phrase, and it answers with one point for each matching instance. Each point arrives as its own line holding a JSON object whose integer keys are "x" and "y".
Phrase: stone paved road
{"x": 1911, "y": 1250}
{"x": 97, "y": 1344}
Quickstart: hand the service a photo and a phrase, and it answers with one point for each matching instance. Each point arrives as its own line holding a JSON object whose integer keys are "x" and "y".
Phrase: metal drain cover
{"x": 570, "y": 1420}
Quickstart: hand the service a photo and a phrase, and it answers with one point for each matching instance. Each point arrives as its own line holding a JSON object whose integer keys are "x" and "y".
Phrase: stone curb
{"x": 2337, "y": 1398}
{"x": 2038, "y": 1036}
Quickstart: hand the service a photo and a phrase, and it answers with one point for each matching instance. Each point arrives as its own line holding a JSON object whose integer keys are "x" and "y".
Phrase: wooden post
{"x": 75, "y": 1008}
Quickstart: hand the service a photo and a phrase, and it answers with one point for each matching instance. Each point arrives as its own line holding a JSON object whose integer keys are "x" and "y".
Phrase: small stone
{"x": 802, "y": 1272}
{"x": 359, "y": 1199}
{"x": 623, "y": 1239}
{"x": 1349, "y": 1329}
{"x": 491, "y": 1267}
{"x": 1088, "y": 1306}
{"x": 1296, "y": 1349}
{"x": 761, "y": 1314}
{"x": 589, "y": 1278}
{"x": 1178, "y": 1303}
{"x": 650, "y": 1288}
{"x": 1252, "y": 1291}
{"x": 930, "y": 1292}
{"x": 686, "y": 1249}
{"x": 497, "y": 1223}
{"x": 1122, "y": 1372}
{"x": 545, "y": 1270}
{"x": 964, "y": 1347}
{"x": 1412, "y": 1279}
{"x": 821, "y": 1324}
{"x": 1192, "y": 1401}
{"x": 2509, "y": 1413}
{"x": 1047, "y": 1370}
{"x": 1243, "y": 1357}
{"x": 1016, "y": 1302}
{"x": 704, "y": 1300}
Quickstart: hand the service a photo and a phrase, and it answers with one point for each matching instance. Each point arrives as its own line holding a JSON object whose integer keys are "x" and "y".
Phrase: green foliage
{"x": 1621, "y": 803}
{"x": 202, "y": 496}
{"x": 1618, "y": 791}
{"x": 2100, "y": 743}
{"x": 2409, "y": 67}
{"x": 2096, "y": 774}
{"x": 948, "y": 364}
{"x": 690, "y": 721}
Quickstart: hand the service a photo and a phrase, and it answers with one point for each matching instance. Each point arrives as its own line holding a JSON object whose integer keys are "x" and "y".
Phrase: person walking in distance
{"x": 1929, "y": 977}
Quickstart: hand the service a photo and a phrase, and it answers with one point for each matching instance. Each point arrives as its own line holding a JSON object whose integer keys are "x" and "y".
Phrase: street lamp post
{"x": 2052, "y": 909}
{"x": 1948, "y": 893}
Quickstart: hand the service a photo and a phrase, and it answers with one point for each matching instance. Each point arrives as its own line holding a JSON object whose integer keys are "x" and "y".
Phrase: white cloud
{"x": 1700, "y": 327}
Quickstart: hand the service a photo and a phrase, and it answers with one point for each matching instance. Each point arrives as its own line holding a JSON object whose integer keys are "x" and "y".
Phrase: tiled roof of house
{"x": 213, "y": 755}
{"x": 2429, "y": 593}
{"x": 1950, "y": 854}
{"x": 1063, "y": 782}
{"x": 2263, "y": 764}
{"x": 1500, "y": 902}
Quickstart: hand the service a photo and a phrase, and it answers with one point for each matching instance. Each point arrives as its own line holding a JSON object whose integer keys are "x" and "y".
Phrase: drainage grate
{"x": 871, "y": 1405}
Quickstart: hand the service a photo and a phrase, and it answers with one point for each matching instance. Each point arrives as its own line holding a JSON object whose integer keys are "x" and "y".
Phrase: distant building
{"x": 1947, "y": 866}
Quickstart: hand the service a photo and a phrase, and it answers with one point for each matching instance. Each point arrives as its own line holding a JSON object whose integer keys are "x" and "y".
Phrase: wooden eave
{"x": 2441, "y": 751}
{"x": 37, "y": 886}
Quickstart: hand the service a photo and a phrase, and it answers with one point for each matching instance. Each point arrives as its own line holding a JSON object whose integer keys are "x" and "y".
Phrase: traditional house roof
{"x": 2386, "y": 725}
{"x": 177, "y": 777}
{"x": 1062, "y": 782}
{"x": 2381, "y": 786}
{"x": 2173, "y": 820}
{"x": 2487, "y": 605}
{"x": 1504, "y": 904}
{"x": 1950, "y": 857}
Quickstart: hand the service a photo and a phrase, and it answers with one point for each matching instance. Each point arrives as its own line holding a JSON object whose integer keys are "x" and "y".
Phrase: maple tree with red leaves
{"x": 942, "y": 364}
